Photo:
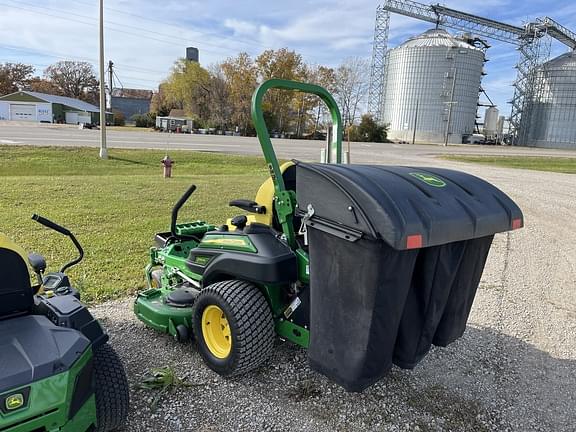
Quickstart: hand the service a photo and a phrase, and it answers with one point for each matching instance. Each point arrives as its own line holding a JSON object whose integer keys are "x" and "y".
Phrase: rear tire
{"x": 112, "y": 392}
{"x": 241, "y": 310}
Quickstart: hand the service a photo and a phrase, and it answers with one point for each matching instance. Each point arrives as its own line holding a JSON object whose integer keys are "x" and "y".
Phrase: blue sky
{"x": 144, "y": 37}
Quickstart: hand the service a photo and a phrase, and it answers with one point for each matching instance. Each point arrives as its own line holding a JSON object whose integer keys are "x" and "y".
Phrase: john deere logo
{"x": 15, "y": 401}
{"x": 429, "y": 179}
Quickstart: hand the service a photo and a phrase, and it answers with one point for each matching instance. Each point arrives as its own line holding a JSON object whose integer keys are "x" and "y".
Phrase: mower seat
{"x": 16, "y": 294}
{"x": 265, "y": 195}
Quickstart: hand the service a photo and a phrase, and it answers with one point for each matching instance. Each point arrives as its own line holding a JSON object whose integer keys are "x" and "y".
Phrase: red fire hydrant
{"x": 167, "y": 164}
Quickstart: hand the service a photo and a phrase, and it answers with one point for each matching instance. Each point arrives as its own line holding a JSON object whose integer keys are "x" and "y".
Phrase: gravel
{"x": 513, "y": 370}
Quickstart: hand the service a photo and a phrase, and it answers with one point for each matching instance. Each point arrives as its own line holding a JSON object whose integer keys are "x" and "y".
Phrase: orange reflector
{"x": 414, "y": 241}
{"x": 516, "y": 223}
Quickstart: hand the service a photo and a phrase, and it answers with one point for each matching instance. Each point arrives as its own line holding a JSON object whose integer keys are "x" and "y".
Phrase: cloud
{"x": 240, "y": 27}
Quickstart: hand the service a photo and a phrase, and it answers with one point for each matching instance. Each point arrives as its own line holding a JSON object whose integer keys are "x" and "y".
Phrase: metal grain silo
{"x": 424, "y": 77}
{"x": 553, "y": 113}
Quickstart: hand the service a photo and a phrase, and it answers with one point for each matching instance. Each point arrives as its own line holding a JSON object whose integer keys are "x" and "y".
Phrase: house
{"x": 131, "y": 102}
{"x": 176, "y": 121}
{"x": 45, "y": 108}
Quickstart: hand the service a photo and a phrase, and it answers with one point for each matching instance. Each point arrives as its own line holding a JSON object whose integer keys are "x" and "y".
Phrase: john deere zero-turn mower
{"x": 363, "y": 265}
{"x": 57, "y": 371}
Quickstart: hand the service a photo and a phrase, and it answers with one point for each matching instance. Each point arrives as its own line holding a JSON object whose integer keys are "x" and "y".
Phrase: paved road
{"x": 56, "y": 135}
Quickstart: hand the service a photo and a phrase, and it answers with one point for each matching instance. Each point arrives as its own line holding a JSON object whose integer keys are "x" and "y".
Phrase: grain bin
{"x": 553, "y": 114}
{"x": 426, "y": 75}
{"x": 491, "y": 117}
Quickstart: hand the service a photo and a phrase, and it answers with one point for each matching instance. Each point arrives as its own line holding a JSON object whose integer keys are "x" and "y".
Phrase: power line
{"x": 244, "y": 41}
{"x": 146, "y": 30}
{"x": 171, "y": 43}
{"x": 56, "y": 55}
{"x": 217, "y": 46}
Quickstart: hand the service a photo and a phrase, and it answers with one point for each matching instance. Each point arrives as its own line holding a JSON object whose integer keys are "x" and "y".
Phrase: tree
{"x": 160, "y": 104}
{"x": 14, "y": 77}
{"x": 324, "y": 77}
{"x": 187, "y": 88}
{"x": 74, "y": 79}
{"x": 220, "y": 109}
{"x": 240, "y": 75}
{"x": 351, "y": 87}
{"x": 278, "y": 104}
{"x": 41, "y": 85}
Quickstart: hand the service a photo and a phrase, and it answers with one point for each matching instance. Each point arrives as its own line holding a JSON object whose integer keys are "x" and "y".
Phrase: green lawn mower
{"x": 364, "y": 266}
{"x": 57, "y": 371}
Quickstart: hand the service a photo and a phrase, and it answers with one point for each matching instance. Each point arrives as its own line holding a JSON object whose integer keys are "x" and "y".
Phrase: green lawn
{"x": 554, "y": 164}
{"x": 114, "y": 207}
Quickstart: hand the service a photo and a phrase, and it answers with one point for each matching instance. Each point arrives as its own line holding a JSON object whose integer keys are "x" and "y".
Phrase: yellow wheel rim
{"x": 216, "y": 332}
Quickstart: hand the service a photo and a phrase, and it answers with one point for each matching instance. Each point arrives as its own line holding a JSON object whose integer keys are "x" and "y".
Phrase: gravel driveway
{"x": 514, "y": 368}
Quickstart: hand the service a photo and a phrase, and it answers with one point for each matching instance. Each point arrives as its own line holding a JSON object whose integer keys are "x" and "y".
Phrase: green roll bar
{"x": 285, "y": 200}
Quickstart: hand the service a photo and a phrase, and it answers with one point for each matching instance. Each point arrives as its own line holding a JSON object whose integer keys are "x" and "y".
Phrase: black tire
{"x": 111, "y": 388}
{"x": 156, "y": 278}
{"x": 251, "y": 326}
{"x": 182, "y": 334}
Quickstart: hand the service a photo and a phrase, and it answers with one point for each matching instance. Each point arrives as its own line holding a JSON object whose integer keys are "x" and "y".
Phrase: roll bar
{"x": 262, "y": 130}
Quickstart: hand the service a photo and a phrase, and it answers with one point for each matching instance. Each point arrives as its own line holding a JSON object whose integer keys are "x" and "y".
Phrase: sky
{"x": 144, "y": 37}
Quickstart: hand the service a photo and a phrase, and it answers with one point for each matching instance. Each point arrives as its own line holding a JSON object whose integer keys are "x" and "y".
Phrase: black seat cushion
{"x": 16, "y": 294}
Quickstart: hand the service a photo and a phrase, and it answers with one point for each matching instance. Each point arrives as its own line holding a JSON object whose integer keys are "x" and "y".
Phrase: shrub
{"x": 119, "y": 118}
{"x": 368, "y": 130}
{"x": 143, "y": 120}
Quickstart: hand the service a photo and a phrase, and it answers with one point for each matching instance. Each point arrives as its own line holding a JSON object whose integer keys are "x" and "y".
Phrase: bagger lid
{"x": 406, "y": 207}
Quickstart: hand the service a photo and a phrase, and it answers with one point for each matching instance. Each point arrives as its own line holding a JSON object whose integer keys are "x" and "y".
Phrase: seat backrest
{"x": 16, "y": 295}
{"x": 265, "y": 195}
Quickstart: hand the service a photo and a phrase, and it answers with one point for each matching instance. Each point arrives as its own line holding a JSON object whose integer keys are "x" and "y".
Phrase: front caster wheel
{"x": 182, "y": 333}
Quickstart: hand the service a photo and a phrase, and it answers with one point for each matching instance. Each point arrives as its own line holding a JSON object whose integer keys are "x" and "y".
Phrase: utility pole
{"x": 415, "y": 121}
{"x": 450, "y": 105}
{"x": 103, "y": 148}
{"x": 110, "y": 81}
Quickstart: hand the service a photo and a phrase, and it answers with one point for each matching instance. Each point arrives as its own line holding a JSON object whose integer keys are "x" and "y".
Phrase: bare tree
{"x": 14, "y": 77}
{"x": 220, "y": 109}
{"x": 73, "y": 79}
{"x": 351, "y": 87}
{"x": 324, "y": 77}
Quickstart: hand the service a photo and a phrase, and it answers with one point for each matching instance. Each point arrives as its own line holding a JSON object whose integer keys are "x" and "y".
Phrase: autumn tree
{"x": 187, "y": 88}
{"x": 240, "y": 75}
{"x": 351, "y": 88}
{"x": 279, "y": 104}
{"x": 14, "y": 77}
{"x": 161, "y": 105}
{"x": 74, "y": 79}
{"x": 42, "y": 85}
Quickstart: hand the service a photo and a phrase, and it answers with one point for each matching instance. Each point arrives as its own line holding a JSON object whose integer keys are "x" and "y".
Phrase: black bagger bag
{"x": 396, "y": 256}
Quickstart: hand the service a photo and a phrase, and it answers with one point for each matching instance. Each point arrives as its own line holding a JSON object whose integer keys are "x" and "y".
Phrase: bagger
{"x": 365, "y": 266}
{"x": 57, "y": 371}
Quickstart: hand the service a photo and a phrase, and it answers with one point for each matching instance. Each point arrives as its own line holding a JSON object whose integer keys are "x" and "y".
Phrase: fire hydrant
{"x": 167, "y": 164}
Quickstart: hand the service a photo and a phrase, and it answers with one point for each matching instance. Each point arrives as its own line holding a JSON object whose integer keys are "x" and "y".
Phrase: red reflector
{"x": 516, "y": 223}
{"x": 414, "y": 241}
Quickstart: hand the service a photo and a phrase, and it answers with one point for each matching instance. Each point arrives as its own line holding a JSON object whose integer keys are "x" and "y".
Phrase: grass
{"x": 114, "y": 207}
{"x": 162, "y": 380}
{"x": 553, "y": 164}
{"x": 129, "y": 128}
